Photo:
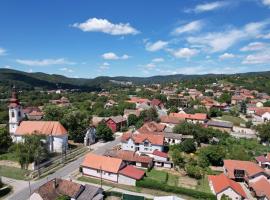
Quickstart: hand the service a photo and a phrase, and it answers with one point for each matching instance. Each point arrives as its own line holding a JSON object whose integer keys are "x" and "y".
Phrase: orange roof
{"x": 196, "y": 116}
{"x": 222, "y": 182}
{"x": 151, "y": 127}
{"x": 250, "y": 168}
{"x": 132, "y": 172}
{"x": 54, "y": 128}
{"x": 171, "y": 120}
{"x": 157, "y": 139}
{"x": 261, "y": 188}
{"x": 104, "y": 163}
{"x": 138, "y": 100}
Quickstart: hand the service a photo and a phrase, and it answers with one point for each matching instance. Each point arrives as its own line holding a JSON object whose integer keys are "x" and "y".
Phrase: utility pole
{"x": 29, "y": 188}
{"x": 100, "y": 168}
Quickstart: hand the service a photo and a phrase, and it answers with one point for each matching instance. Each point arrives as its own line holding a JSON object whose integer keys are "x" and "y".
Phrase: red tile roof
{"x": 250, "y": 168}
{"x": 156, "y": 139}
{"x": 54, "y": 128}
{"x": 222, "y": 182}
{"x": 160, "y": 154}
{"x": 156, "y": 102}
{"x": 261, "y": 188}
{"x": 104, "y": 163}
{"x": 151, "y": 127}
{"x": 171, "y": 120}
{"x": 132, "y": 172}
{"x": 196, "y": 116}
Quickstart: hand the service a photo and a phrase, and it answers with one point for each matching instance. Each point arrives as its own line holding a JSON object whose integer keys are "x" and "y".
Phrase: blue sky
{"x": 89, "y": 38}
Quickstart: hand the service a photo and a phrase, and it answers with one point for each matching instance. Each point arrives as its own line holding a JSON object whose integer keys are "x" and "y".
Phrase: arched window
{"x": 12, "y": 114}
{"x": 19, "y": 113}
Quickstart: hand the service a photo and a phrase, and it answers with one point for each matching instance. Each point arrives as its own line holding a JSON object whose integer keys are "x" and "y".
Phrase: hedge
{"x": 4, "y": 191}
{"x": 152, "y": 184}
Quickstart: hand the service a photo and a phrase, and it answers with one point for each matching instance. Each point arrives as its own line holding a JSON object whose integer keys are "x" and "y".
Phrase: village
{"x": 149, "y": 142}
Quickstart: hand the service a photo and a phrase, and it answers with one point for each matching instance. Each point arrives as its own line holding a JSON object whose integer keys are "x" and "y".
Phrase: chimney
{"x": 54, "y": 183}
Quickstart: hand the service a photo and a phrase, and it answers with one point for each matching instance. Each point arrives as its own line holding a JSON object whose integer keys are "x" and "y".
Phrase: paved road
{"x": 23, "y": 192}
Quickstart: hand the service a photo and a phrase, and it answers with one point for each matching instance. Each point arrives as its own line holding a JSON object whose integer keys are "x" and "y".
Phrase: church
{"x": 55, "y": 133}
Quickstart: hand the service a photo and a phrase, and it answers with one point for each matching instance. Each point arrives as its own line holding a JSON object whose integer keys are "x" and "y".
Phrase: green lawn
{"x": 172, "y": 180}
{"x": 157, "y": 175}
{"x": 9, "y": 156}
{"x": 13, "y": 172}
{"x": 235, "y": 120}
{"x": 203, "y": 185}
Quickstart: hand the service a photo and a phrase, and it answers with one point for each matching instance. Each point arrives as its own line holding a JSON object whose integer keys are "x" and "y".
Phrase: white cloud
{"x": 113, "y": 56}
{"x": 104, "y": 66}
{"x": 185, "y": 53}
{"x": 7, "y": 67}
{"x": 266, "y": 2}
{"x": 158, "y": 45}
{"x": 44, "y": 62}
{"x": 2, "y": 51}
{"x": 221, "y": 41}
{"x": 30, "y": 70}
{"x": 264, "y": 36}
{"x": 254, "y": 46}
{"x": 157, "y": 60}
{"x": 187, "y": 28}
{"x": 150, "y": 65}
{"x": 66, "y": 69}
{"x": 105, "y": 26}
{"x": 226, "y": 56}
{"x": 208, "y": 7}
{"x": 262, "y": 57}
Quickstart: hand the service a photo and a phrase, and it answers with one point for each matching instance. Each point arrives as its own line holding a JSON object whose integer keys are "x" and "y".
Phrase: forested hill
{"x": 24, "y": 80}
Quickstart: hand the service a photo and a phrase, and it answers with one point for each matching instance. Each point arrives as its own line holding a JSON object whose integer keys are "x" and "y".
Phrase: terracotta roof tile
{"x": 222, "y": 182}
{"x": 105, "y": 163}
{"x": 261, "y": 188}
{"x": 160, "y": 154}
{"x": 156, "y": 139}
{"x": 196, "y": 116}
{"x": 132, "y": 172}
{"x": 54, "y": 128}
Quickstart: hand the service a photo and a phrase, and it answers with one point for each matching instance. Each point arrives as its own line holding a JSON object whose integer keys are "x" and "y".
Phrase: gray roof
{"x": 118, "y": 119}
{"x": 90, "y": 192}
{"x": 177, "y": 136}
{"x": 220, "y": 124}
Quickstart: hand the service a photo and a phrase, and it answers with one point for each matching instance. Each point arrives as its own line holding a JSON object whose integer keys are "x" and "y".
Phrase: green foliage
{"x": 132, "y": 120}
{"x": 63, "y": 197}
{"x": 243, "y": 107}
{"x": 214, "y": 112}
{"x": 104, "y": 132}
{"x": 173, "y": 109}
{"x": 225, "y": 98}
{"x": 149, "y": 115}
{"x": 188, "y": 146}
{"x": 211, "y": 155}
{"x": 196, "y": 172}
{"x": 266, "y": 104}
{"x": 152, "y": 184}
{"x": 5, "y": 140}
{"x": 5, "y": 191}
{"x": 263, "y": 132}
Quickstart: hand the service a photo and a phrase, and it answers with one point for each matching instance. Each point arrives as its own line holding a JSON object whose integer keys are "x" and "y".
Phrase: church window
{"x": 12, "y": 114}
{"x": 19, "y": 113}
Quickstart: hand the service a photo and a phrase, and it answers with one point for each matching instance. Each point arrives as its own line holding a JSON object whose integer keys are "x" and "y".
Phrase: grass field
{"x": 235, "y": 120}
{"x": 9, "y": 156}
{"x": 13, "y": 172}
{"x": 203, "y": 185}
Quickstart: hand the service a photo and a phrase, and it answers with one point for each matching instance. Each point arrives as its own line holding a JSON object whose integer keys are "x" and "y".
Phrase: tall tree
{"x": 5, "y": 140}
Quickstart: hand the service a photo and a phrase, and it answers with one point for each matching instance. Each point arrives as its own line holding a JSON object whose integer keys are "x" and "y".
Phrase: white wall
{"x": 129, "y": 145}
{"x": 159, "y": 158}
{"x": 230, "y": 193}
{"x": 60, "y": 143}
{"x": 105, "y": 175}
{"x": 126, "y": 180}
{"x": 35, "y": 196}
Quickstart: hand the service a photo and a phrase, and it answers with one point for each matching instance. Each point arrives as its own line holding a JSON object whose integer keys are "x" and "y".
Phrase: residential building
{"x": 220, "y": 125}
{"x": 221, "y": 185}
{"x": 129, "y": 175}
{"x": 143, "y": 143}
{"x": 56, "y": 188}
{"x": 261, "y": 189}
{"x": 192, "y": 118}
{"x": 264, "y": 161}
{"x": 116, "y": 123}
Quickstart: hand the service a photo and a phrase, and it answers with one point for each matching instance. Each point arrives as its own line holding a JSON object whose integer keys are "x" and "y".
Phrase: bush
{"x": 194, "y": 171}
{"x": 151, "y": 184}
{"x": 4, "y": 191}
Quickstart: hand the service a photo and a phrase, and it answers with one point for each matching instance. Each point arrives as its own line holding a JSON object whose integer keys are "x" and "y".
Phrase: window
{"x": 19, "y": 113}
{"x": 12, "y": 114}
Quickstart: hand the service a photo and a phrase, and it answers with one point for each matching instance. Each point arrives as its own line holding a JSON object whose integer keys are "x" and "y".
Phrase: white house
{"x": 110, "y": 169}
{"x": 221, "y": 185}
{"x": 143, "y": 143}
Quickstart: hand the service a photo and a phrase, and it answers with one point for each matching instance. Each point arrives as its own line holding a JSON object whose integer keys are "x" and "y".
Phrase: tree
{"x": 33, "y": 149}
{"x": 243, "y": 107}
{"x": 104, "y": 132}
{"x": 132, "y": 119}
{"x": 211, "y": 155}
{"x": 225, "y": 98}
{"x": 5, "y": 140}
{"x": 63, "y": 197}
{"x": 149, "y": 115}
{"x": 214, "y": 112}
{"x": 53, "y": 113}
{"x": 263, "y": 132}
{"x": 76, "y": 122}
{"x": 266, "y": 104}
{"x": 188, "y": 146}
{"x": 173, "y": 109}
{"x": 194, "y": 171}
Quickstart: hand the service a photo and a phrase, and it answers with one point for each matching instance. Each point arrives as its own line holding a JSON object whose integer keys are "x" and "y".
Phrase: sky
{"x": 90, "y": 38}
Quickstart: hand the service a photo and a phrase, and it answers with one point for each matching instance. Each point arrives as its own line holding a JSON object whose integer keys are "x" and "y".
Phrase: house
{"x": 151, "y": 127}
{"x": 220, "y": 125}
{"x": 261, "y": 189}
{"x": 139, "y": 101}
{"x": 129, "y": 175}
{"x": 131, "y": 158}
{"x": 156, "y": 103}
{"x": 161, "y": 159}
{"x": 110, "y": 169}
{"x": 170, "y": 121}
{"x": 222, "y": 185}
{"x": 128, "y": 112}
{"x": 90, "y": 136}
{"x": 192, "y": 118}
{"x": 174, "y": 138}
{"x": 264, "y": 161}
{"x": 143, "y": 143}
{"x": 246, "y": 171}
{"x": 35, "y": 115}
{"x": 56, "y": 188}
{"x": 62, "y": 102}
{"x": 56, "y": 135}
{"x": 116, "y": 123}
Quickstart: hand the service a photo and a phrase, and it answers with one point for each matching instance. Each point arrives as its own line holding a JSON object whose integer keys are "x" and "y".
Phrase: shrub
{"x": 4, "y": 191}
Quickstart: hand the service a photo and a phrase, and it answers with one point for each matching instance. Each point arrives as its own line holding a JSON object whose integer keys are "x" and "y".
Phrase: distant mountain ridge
{"x": 54, "y": 81}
